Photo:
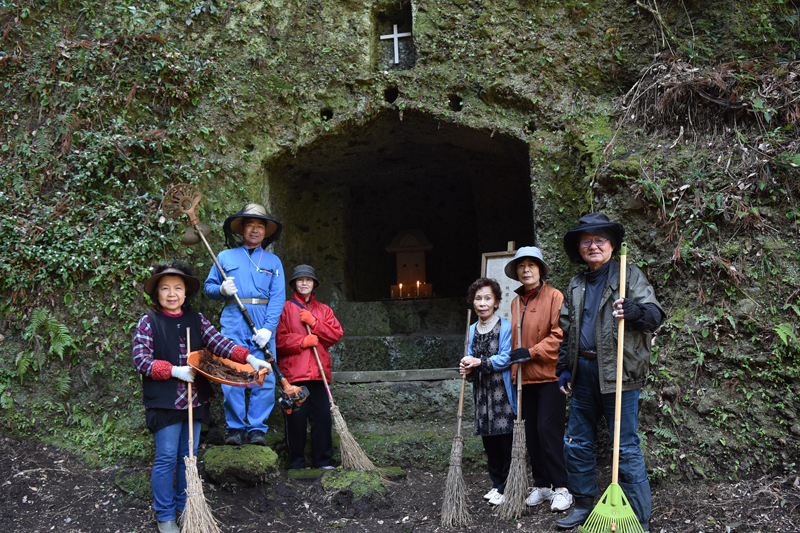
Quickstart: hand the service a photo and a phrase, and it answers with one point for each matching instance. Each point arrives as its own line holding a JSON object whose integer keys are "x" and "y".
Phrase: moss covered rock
{"x": 232, "y": 466}
{"x": 135, "y": 483}
{"x": 351, "y": 492}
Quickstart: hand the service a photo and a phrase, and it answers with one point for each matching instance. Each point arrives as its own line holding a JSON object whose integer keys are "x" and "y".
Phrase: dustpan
{"x": 194, "y": 362}
{"x": 613, "y": 513}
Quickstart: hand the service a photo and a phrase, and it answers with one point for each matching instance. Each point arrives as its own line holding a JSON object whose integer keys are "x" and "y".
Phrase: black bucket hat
{"x": 192, "y": 283}
{"x": 234, "y": 225}
{"x": 597, "y": 223}
{"x": 304, "y": 271}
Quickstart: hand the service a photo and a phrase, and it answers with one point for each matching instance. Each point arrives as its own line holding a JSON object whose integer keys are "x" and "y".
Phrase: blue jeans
{"x": 172, "y": 445}
{"x": 588, "y": 406}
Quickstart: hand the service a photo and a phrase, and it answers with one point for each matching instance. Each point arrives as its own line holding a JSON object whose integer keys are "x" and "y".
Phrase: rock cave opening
{"x": 343, "y": 198}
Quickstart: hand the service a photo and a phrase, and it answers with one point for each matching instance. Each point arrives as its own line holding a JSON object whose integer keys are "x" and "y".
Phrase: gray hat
{"x": 527, "y": 251}
{"x": 304, "y": 271}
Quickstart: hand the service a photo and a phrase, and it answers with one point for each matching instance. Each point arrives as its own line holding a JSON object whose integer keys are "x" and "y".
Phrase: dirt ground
{"x": 44, "y": 489}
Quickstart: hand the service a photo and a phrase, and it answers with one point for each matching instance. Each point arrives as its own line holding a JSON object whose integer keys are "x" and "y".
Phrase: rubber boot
{"x": 581, "y": 511}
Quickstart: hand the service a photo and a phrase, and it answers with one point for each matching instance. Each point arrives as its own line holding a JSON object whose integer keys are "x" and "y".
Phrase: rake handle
{"x": 191, "y": 417}
{"x": 519, "y": 365}
{"x": 463, "y": 378}
{"x": 620, "y": 341}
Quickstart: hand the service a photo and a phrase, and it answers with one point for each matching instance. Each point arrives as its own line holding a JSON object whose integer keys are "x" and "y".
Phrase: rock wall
{"x": 505, "y": 120}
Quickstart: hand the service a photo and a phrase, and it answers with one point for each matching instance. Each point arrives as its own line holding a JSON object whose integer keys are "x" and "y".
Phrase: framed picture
{"x": 492, "y": 265}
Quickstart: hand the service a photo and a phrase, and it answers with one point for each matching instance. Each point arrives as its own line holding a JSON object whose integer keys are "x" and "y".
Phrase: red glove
{"x": 307, "y": 318}
{"x": 309, "y": 341}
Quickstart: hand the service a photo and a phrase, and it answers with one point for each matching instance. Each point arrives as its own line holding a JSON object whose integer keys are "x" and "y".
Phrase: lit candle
{"x": 417, "y": 288}
{"x": 401, "y": 290}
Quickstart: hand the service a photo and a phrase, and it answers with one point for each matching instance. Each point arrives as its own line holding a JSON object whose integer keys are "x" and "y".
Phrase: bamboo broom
{"x": 455, "y": 512}
{"x": 517, "y": 482}
{"x": 353, "y": 457}
{"x": 196, "y": 517}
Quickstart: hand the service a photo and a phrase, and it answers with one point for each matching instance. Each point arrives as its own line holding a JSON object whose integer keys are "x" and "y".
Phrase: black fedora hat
{"x": 192, "y": 283}
{"x": 597, "y": 223}
{"x": 234, "y": 224}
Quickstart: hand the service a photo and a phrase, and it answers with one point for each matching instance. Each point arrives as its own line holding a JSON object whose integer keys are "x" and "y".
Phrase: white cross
{"x": 396, "y": 36}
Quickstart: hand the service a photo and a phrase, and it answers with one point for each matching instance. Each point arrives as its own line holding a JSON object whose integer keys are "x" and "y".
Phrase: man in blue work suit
{"x": 256, "y": 276}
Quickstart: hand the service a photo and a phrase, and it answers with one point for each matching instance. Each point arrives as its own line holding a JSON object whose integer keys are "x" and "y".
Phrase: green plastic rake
{"x": 613, "y": 513}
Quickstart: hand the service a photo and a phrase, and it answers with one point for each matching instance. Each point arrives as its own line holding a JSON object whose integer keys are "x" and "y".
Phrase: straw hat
{"x": 235, "y": 223}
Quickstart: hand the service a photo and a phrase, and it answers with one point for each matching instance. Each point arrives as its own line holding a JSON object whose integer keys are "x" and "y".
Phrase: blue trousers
{"x": 588, "y": 406}
{"x": 262, "y": 399}
{"x": 254, "y": 416}
{"x": 172, "y": 445}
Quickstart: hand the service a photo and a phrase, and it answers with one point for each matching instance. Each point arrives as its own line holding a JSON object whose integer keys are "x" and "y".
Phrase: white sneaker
{"x": 489, "y": 495}
{"x": 561, "y": 500}
{"x": 497, "y": 499}
{"x": 538, "y": 495}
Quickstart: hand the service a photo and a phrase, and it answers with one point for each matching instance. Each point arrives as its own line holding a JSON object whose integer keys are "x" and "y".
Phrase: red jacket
{"x": 296, "y": 363}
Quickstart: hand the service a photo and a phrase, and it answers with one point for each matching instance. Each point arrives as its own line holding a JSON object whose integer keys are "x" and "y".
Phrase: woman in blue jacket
{"x": 488, "y": 367}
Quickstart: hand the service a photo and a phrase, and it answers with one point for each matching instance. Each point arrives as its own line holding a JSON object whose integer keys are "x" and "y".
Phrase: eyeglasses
{"x": 599, "y": 242}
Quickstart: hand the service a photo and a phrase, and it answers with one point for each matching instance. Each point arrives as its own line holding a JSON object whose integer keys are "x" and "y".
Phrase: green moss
{"x": 257, "y": 460}
{"x": 136, "y": 483}
{"x": 360, "y": 484}
{"x": 414, "y": 449}
{"x": 678, "y": 315}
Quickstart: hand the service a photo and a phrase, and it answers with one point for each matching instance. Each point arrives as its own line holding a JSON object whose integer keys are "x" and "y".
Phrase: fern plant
{"x": 665, "y": 433}
{"x": 62, "y": 385}
{"x": 43, "y": 327}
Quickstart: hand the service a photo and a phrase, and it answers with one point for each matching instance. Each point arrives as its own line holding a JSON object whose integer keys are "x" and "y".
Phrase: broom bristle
{"x": 517, "y": 480}
{"x": 197, "y": 517}
{"x": 353, "y": 457}
{"x": 455, "y": 512}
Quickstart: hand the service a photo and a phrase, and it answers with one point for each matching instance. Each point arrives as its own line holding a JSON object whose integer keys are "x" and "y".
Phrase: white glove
{"x": 228, "y": 288}
{"x": 257, "y": 363}
{"x": 261, "y": 338}
{"x": 185, "y": 373}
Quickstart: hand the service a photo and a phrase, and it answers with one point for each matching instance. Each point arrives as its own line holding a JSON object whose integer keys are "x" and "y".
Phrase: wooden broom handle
{"x": 519, "y": 365}
{"x": 623, "y": 257}
{"x": 191, "y": 420}
{"x": 321, "y": 370}
{"x": 463, "y": 377}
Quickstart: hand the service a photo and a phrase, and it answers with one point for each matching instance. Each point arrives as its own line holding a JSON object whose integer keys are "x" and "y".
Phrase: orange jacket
{"x": 541, "y": 333}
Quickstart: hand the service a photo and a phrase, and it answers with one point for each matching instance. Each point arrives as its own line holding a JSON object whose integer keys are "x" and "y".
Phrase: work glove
{"x": 564, "y": 380}
{"x": 261, "y": 338}
{"x": 307, "y": 318}
{"x": 520, "y": 355}
{"x": 257, "y": 364}
{"x": 184, "y": 373}
{"x": 309, "y": 341}
{"x": 228, "y": 288}
{"x": 632, "y": 310}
